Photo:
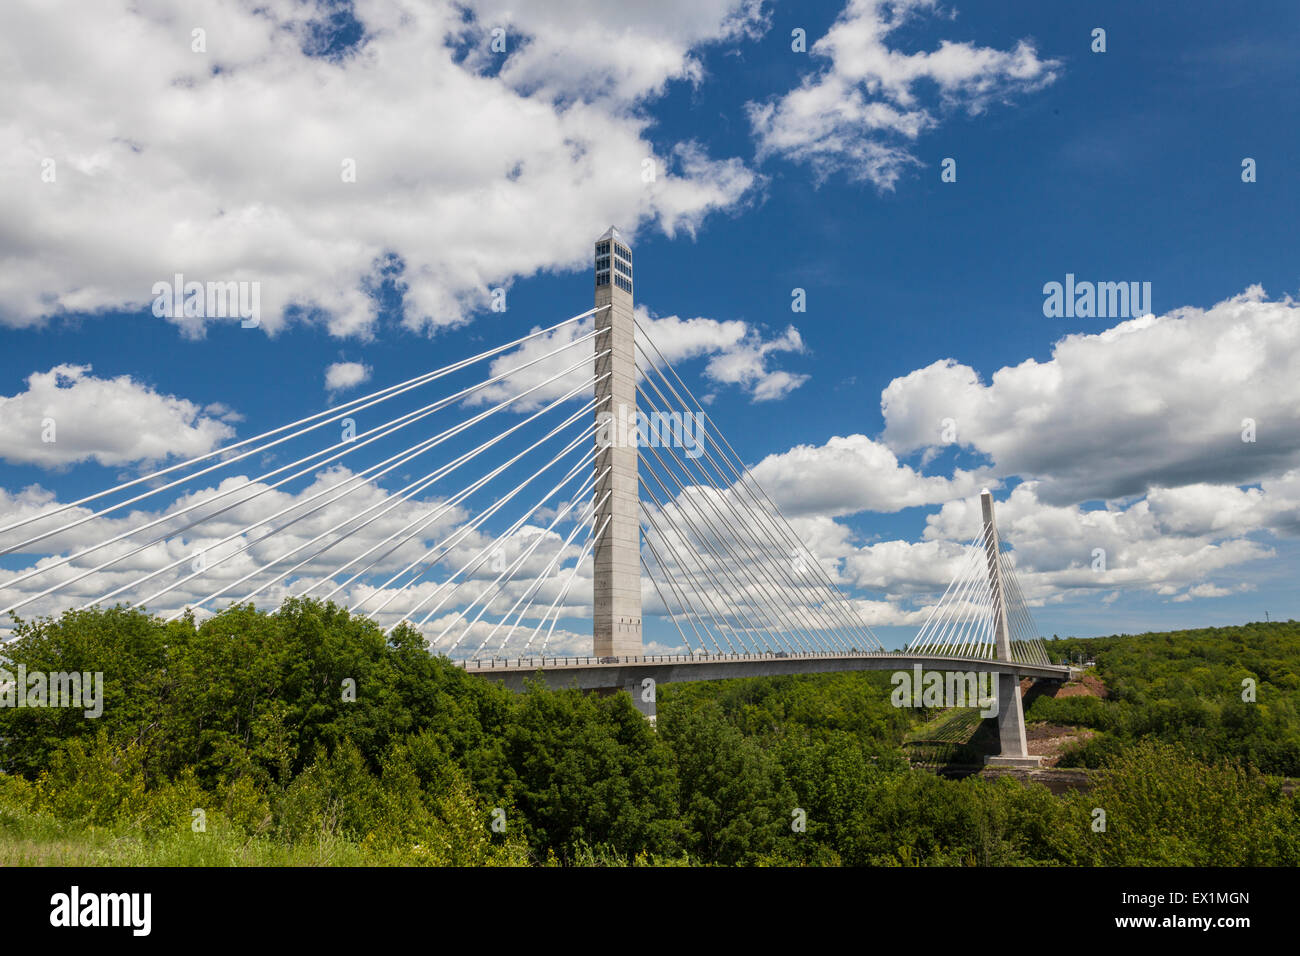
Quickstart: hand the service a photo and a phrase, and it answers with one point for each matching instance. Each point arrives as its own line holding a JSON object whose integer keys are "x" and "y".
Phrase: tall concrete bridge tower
{"x": 616, "y": 627}
{"x": 1011, "y": 712}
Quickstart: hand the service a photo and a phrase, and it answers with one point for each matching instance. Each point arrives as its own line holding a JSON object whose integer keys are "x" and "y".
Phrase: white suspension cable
{"x": 917, "y": 642}
{"x": 591, "y": 543}
{"x": 357, "y": 481}
{"x": 498, "y": 586}
{"x": 415, "y": 488}
{"x": 769, "y": 581}
{"x": 668, "y": 610}
{"x": 450, "y": 542}
{"x": 683, "y": 601}
{"x": 869, "y": 638}
{"x": 968, "y": 577}
{"x": 746, "y": 519}
{"x": 347, "y": 408}
{"x": 535, "y": 588}
{"x": 564, "y": 592}
{"x": 563, "y": 452}
{"x": 723, "y": 564}
{"x": 495, "y": 544}
{"x": 985, "y": 635}
{"x": 970, "y": 606}
{"x": 964, "y": 612}
{"x": 983, "y": 624}
{"x": 737, "y": 612}
{"x": 705, "y": 594}
{"x": 417, "y": 526}
{"x": 352, "y": 445}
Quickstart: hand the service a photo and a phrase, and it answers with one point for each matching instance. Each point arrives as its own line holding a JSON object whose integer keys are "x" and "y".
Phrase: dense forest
{"x": 1186, "y": 688}
{"x": 305, "y": 736}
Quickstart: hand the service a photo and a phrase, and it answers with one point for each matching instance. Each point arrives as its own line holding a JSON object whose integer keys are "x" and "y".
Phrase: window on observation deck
{"x": 613, "y": 264}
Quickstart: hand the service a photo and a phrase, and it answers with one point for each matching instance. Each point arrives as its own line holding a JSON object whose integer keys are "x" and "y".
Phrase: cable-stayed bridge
{"x": 517, "y": 508}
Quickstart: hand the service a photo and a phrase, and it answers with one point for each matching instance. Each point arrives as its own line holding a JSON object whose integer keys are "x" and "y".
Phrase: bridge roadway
{"x": 593, "y": 673}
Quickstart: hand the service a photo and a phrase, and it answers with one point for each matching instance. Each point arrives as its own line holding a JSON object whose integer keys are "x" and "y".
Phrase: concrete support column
{"x": 1011, "y": 719}
{"x": 644, "y": 695}
{"x": 616, "y": 598}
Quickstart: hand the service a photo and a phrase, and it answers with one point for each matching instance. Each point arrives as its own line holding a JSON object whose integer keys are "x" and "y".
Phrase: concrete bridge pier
{"x": 641, "y": 687}
{"x": 1011, "y": 727}
{"x": 644, "y": 693}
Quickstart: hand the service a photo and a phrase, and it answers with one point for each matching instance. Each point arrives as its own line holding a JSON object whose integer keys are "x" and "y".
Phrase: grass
{"x": 31, "y": 839}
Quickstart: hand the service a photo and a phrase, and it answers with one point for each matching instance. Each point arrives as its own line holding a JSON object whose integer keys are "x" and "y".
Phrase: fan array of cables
{"x": 464, "y": 503}
{"x": 726, "y": 566}
{"x": 965, "y": 621}
{"x": 455, "y": 515}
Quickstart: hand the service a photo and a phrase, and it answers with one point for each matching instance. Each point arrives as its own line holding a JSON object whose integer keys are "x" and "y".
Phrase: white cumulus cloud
{"x": 344, "y": 375}
{"x": 862, "y": 110}
{"x": 418, "y": 155}
{"x": 1153, "y": 402}
{"x": 67, "y": 415}
{"x": 738, "y": 354}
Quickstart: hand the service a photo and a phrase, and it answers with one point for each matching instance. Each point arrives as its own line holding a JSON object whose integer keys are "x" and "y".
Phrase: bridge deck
{"x": 592, "y": 673}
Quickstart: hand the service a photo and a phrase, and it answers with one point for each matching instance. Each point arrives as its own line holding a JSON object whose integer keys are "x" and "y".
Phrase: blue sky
{"x": 1117, "y": 166}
